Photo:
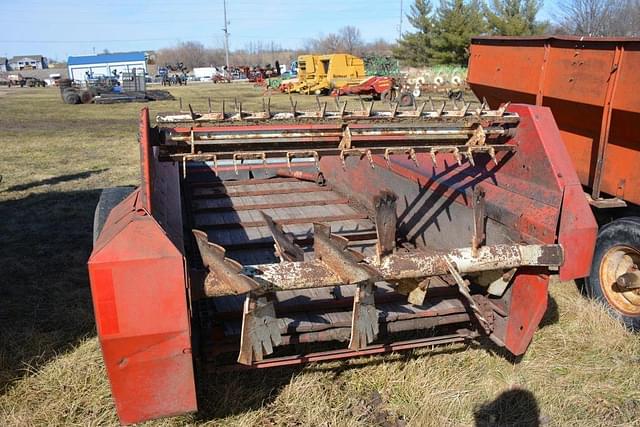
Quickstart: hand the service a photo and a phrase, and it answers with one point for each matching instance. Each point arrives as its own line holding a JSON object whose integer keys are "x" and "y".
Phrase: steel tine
{"x": 441, "y": 111}
{"x": 470, "y": 156}
{"x": 387, "y": 158}
{"x": 318, "y": 102}
{"x": 209, "y": 101}
{"x": 269, "y": 106}
{"x": 370, "y": 108}
{"x": 361, "y": 102}
{"x": 482, "y": 107}
{"x": 394, "y": 109}
{"x": 421, "y": 109}
{"x": 343, "y": 108}
{"x": 193, "y": 114}
{"x": 492, "y": 154}
{"x": 235, "y": 102}
{"x": 180, "y": 99}
{"x": 465, "y": 108}
{"x": 503, "y": 108}
{"x": 431, "y": 106}
{"x": 264, "y": 106}
{"x": 337, "y": 100}
{"x": 240, "y": 110}
{"x": 412, "y": 156}
{"x": 370, "y": 158}
{"x": 223, "y": 109}
{"x": 433, "y": 153}
{"x": 458, "y": 157}
{"x": 455, "y": 104}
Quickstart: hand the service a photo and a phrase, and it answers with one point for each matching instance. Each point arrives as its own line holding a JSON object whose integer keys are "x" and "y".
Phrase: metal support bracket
{"x": 479, "y": 217}
{"x": 224, "y": 276}
{"x": 343, "y": 262}
{"x": 286, "y": 249}
{"x": 482, "y": 311}
{"x": 386, "y": 223}
{"x": 260, "y": 332}
{"x": 364, "y": 320}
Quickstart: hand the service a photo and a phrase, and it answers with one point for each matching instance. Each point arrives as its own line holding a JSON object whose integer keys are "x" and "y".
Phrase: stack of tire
{"x": 71, "y": 95}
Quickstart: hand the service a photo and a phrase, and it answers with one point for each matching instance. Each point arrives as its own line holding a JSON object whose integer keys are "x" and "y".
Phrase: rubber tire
{"x": 109, "y": 199}
{"x": 625, "y": 231}
{"x": 71, "y": 97}
{"x": 407, "y": 100}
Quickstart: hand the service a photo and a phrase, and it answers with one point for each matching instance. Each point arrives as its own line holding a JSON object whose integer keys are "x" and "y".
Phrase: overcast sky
{"x": 60, "y": 28}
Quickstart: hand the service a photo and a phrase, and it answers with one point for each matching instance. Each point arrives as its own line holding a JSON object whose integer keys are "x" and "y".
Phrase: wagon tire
{"x": 71, "y": 97}
{"x": 407, "y": 100}
{"x": 109, "y": 198}
{"x": 617, "y": 250}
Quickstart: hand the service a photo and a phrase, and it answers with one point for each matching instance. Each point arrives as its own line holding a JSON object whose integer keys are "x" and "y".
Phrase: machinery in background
{"x": 319, "y": 74}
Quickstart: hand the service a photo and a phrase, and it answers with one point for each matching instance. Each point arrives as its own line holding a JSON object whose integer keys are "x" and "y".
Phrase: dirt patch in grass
{"x": 581, "y": 369}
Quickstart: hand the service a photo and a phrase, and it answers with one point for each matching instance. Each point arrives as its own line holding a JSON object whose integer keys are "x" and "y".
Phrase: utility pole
{"x": 226, "y": 36}
{"x": 400, "y": 25}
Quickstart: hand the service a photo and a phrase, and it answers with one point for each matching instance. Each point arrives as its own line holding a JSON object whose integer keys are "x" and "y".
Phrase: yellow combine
{"x": 319, "y": 74}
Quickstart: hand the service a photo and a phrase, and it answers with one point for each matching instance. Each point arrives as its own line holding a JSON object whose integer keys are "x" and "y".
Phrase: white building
{"x": 83, "y": 67}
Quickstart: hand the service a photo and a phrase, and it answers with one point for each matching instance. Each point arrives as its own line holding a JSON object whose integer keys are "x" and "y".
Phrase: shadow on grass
{"x": 517, "y": 407}
{"x": 552, "y": 315}
{"x": 45, "y": 300}
{"x": 232, "y": 393}
{"x": 54, "y": 180}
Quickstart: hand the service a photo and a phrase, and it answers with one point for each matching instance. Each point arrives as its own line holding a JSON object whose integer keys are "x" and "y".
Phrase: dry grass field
{"x": 582, "y": 369}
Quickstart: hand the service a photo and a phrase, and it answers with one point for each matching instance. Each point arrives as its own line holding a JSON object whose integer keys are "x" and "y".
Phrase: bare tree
{"x": 351, "y": 39}
{"x": 600, "y": 17}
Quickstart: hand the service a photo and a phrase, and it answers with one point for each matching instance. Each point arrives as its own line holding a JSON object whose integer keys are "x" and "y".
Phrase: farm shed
{"x": 105, "y": 64}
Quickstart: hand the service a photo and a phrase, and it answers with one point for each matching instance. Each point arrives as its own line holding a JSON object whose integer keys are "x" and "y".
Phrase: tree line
{"x": 439, "y": 35}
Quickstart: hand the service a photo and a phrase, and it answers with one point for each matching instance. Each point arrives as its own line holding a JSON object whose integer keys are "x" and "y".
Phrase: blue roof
{"x": 107, "y": 57}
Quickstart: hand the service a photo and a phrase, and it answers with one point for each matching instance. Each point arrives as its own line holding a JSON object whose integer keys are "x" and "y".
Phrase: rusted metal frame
{"x": 429, "y": 149}
{"x": 300, "y": 240}
{"x": 367, "y": 135}
{"x": 342, "y": 115}
{"x": 225, "y": 275}
{"x": 260, "y": 206}
{"x": 298, "y": 190}
{"x": 385, "y": 219}
{"x": 364, "y": 320}
{"x": 146, "y": 155}
{"x": 287, "y": 221}
{"x": 412, "y": 265}
{"x": 612, "y": 202}
{"x": 438, "y": 295}
{"x": 333, "y": 252}
{"x": 369, "y": 351}
{"x": 605, "y": 128}
{"x": 260, "y": 331}
{"x": 344, "y": 333}
{"x": 543, "y": 71}
{"x": 479, "y": 219}
{"x": 285, "y": 247}
{"x": 235, "y": 183}
{"x": 481, "y": 311}
{"x": 469, "y": 122}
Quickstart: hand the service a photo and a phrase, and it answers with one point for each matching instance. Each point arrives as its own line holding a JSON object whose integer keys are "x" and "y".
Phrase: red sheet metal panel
{"x": 528, "y": 303}
{"x": 138, "y": 287}
{"x": 577, "y": 228}
{"x": 590, "y": 84}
